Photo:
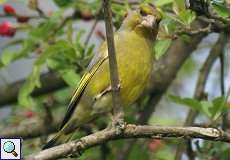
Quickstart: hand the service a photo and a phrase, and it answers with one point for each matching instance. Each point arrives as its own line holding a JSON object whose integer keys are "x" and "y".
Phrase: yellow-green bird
{"x": 93, "y": 97}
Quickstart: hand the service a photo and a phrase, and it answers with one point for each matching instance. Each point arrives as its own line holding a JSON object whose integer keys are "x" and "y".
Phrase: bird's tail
{"x": 58, "y": 139}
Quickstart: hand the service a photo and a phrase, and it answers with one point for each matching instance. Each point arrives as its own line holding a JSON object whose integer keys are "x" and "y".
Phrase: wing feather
{"x": 80, "y": 90}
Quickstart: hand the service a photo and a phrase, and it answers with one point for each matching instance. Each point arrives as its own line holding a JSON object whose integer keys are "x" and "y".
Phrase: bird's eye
{"x": 143, "y": 13}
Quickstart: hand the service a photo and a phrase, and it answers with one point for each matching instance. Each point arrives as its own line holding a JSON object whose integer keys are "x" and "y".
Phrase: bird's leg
{"x": 118, "y": 118}
{"x": 117, "y": 123}
{"x": 80, "y": 144}
{"x": 105, "y": 91}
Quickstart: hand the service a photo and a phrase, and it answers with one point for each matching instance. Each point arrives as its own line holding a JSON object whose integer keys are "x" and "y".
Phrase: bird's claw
{"x": 119, "y": 124}
{"x": 78, "y": 151}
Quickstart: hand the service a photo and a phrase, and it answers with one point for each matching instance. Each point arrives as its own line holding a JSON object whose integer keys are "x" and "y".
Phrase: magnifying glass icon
{"x": 9, "y": 147}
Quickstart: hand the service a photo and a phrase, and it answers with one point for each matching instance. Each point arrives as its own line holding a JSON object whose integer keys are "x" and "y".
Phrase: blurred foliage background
{"x": 46, "y": 45}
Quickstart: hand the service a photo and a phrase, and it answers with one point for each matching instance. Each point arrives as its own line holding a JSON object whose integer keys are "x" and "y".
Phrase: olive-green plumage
{"x": 133, "y": 43}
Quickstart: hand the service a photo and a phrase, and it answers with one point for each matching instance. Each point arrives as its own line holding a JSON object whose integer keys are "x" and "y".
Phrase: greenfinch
{"x": 133, "y": 44}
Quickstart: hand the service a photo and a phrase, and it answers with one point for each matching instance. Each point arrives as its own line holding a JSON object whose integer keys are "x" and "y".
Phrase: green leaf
{"x": 178, "y": 6}
{"x": 60, "y": 47}
{"x": 78, "y": 46}
{"x": 89, "y": 50}
{"x": 70, "y": 77}
{"x": 63, "y": 61}
{"x": 205, "y": 107}
{"x": 161, "y": 46}
{"x": 13, "y": 43}
{"x": 37, "y": 34}
{"x": 187, "y": 17}
{"x": 70, "y": 31}
{"x": 189, "y": 102}
{"x": 218, "y": 106}
{"x": 62, "y": 3}
{"x": 176, "y": 19}
{"x": 201, "y": 106}
{"x": 221, "y": 10}
{"x": 227, "y": 106}
{"x": 43, "y": 30}
{"x": 63, "y": 57}
{"x": 160, "y": 3}
{"x": 227, "y": 103}
{"x": 33, "y": 80}
{"x": 91, "y": 6}
{"x": 8, "y": 57}
{"x": 212, "y": 109}
{"x": 169, "y": 25}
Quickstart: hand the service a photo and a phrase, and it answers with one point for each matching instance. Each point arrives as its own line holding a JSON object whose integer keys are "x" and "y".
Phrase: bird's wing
{"x": 82, "y": 85}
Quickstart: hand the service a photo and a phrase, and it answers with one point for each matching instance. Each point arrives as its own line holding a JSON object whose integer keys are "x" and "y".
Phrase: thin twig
{"x": 222, "y": 90}
{"x": 122, "y": 2}
{"x": 195, "y": 31}
{"x": 93, "y": 27}
{"x": 117, "y": 110}
{"x": 91, "y": 32}
{"x": 219, "y": 18}
{"x": 13, "y": 16}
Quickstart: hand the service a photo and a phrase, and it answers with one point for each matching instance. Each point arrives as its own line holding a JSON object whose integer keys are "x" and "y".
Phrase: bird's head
{"x": 146, "y": 18}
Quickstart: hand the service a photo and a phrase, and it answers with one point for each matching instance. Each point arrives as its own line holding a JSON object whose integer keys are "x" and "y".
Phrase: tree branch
{"x": 117, "y": 110}
{"x": 31, "y": 129}
{"x": 130, "y": 131}
{"x": 222, "y": 89}
{"x": 130, "y": 2}
{"x": 50, "y": 82}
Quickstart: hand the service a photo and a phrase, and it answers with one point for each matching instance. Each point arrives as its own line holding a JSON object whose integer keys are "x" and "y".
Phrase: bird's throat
{"x": 150, "y": 34}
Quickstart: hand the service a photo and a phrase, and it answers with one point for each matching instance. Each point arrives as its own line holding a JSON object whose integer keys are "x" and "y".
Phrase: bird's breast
{"x": 134, "y": 55}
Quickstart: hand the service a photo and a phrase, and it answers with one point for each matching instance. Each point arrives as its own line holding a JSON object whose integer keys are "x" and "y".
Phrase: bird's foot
{"x": 120, "y": 126}
{"x": 78, "y": 150}
{"x": 118, "y": 123}
{"x": 105, "y": 91}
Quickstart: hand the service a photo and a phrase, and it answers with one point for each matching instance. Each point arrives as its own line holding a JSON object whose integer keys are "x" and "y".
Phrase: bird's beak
{"x": 148, "y": 21}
